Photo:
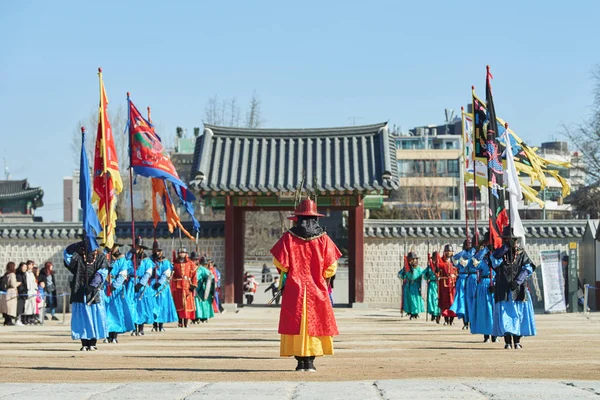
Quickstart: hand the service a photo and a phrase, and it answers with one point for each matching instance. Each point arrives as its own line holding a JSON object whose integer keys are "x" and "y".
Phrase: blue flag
{"x": 91, "y": 225}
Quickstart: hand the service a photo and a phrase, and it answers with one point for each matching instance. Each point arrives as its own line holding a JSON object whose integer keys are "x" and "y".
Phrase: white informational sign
{"x": 553, "y": 282}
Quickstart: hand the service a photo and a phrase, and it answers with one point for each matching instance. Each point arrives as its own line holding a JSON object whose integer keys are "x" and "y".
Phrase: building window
{"x": 453, "y": 168}
{"x": 470, "y": 193}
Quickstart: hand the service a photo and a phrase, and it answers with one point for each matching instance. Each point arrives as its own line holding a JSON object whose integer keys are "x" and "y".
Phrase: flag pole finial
{"x": 82, "y": 129}
{"x": 99, "y": 70}
{"x": 506, "y": 125}
{"x": 127, "y": 94}
{"x": 462, "y": 108}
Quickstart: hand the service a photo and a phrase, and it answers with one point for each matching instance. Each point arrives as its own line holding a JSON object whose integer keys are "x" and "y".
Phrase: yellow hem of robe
{"x": 304, "y": 345}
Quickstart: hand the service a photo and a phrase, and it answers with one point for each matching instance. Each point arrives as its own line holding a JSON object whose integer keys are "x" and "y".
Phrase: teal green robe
{"x": 204, "y": 309}
{"x": 432, "y": 292}
{"x": 413, "y": 302}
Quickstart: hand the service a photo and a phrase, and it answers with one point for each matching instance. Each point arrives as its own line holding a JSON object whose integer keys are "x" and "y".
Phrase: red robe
{"x": 306, "y": 261}
{"x": 184, "y": 276}
{"x": 446, "y": 287}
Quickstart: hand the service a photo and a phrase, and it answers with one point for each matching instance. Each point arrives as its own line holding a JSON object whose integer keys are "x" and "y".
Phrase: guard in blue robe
{"x": 513, "y": 309}
{"x": 483, "y": 316}
{"x": 470, "y": 284}
{"x": 88, "y": 315}
{"x": 119, "y": 311}
{"x": 164, "y": 307}
{"x": 461, "y": 261}
{"x": 143, "y": 293}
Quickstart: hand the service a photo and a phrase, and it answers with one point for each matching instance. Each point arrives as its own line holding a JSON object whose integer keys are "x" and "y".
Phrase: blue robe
{"x": 88, "y": 321}
{"x": 483, "y": 317}
{"x": 119, "y": 315}
{"x": 459, "y": 306}
{"x": 511, "y": 316}
{"x": 144, "y": 298}
{"x": 470, "y": 290}
{"x": 164, "y": 308}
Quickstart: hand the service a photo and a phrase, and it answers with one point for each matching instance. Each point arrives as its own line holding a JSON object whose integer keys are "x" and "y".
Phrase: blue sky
{"x": 312, "y": 64}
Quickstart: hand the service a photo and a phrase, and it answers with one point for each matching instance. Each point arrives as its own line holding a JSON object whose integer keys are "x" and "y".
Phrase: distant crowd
{"x": 28, "y": 293}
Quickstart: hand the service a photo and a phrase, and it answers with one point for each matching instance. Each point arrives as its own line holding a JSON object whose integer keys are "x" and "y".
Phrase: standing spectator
{"x": 30, "y": 302}
{"x": 47, "y": 278}
{"x": 21, "y": 292}
{"x": 8, "y": 301}
{"x": 266, "y": 276}
{"x": 250, "y": 286}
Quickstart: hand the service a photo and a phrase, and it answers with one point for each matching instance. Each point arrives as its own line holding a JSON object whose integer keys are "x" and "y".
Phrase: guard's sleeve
{"x": 331, "y": 270}
{"x": 281, "y": 253}
{"x": 331, "y": 253}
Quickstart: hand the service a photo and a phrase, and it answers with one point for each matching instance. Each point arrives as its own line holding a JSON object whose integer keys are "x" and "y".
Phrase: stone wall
{"x": 43, "y": 242}
{"x": 386, "y": 242}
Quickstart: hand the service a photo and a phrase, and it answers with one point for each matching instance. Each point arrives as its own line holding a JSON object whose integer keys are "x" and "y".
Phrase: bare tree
{"x": 422, "y": 200}
{"x": 253, "y": 115}
{"x": 586, "y": 138}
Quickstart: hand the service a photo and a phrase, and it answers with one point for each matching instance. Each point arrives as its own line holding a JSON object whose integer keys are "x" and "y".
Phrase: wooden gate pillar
{"x": 356, "y": 255}
{"x": 229, "y": 251}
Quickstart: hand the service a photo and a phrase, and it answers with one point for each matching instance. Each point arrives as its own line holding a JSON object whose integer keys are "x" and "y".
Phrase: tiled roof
{"x": 70, "y": 230}
{"x": 356, "y": 158}
{"x": 18, "y": 189}
{"x": 549, "y": 229}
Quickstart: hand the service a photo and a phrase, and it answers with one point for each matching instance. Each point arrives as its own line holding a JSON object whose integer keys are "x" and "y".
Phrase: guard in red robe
{"x": 183, "y": 285}
{"x": 309, "y": 257}
{"x": 446, "y": 285}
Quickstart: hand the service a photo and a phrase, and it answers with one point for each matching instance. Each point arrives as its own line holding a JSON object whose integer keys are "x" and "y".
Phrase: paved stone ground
{"x": 364, "y": 390}
{"x": 236, "y": 355}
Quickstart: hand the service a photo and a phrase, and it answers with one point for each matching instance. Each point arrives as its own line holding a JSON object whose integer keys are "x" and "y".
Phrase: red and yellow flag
{"x": 173, "y": 221}
{"x": 107, "y": 178}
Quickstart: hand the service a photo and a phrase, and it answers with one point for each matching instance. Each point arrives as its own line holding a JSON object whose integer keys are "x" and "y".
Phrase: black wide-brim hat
{"x": 412, "y": 255}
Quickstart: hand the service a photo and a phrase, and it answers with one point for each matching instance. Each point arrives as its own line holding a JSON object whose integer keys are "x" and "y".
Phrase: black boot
{"x": 437, "y": 319}
{"x": 160, "y": 327}
{"x": 141, "y": 329}
{"x": 84, "y": 345}
{"x": 517, "y": 342}
{"x": 154, "y": 327}
{"x": 92, "y": 344}
{"x": 446, "y": 320}
{"x": 310, "y": 365}
{"x": 301, "y": 363}
{"x": 494, "y": 339}
{"x": 451, "y": 321}
{"x": 507, "y": 341}
{"x": 486, "y": 338}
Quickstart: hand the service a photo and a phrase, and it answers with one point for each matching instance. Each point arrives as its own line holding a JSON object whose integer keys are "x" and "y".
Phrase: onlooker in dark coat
{"x": 47, "y": 279}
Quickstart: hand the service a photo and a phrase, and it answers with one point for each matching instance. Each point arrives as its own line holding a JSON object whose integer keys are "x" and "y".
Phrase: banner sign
{"x": 553, "y": 282}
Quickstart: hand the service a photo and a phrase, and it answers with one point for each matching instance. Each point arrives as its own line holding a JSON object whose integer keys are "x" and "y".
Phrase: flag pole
{"x": 507, "y": 138}
{"x": 104, "y": 166}
{"x": 490, "y": 227}
{"x": 153, "y": 194}
{"x": 474, "y": 171}
{"x": 462, "y": 116}
{"x": 131, "y": 190}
